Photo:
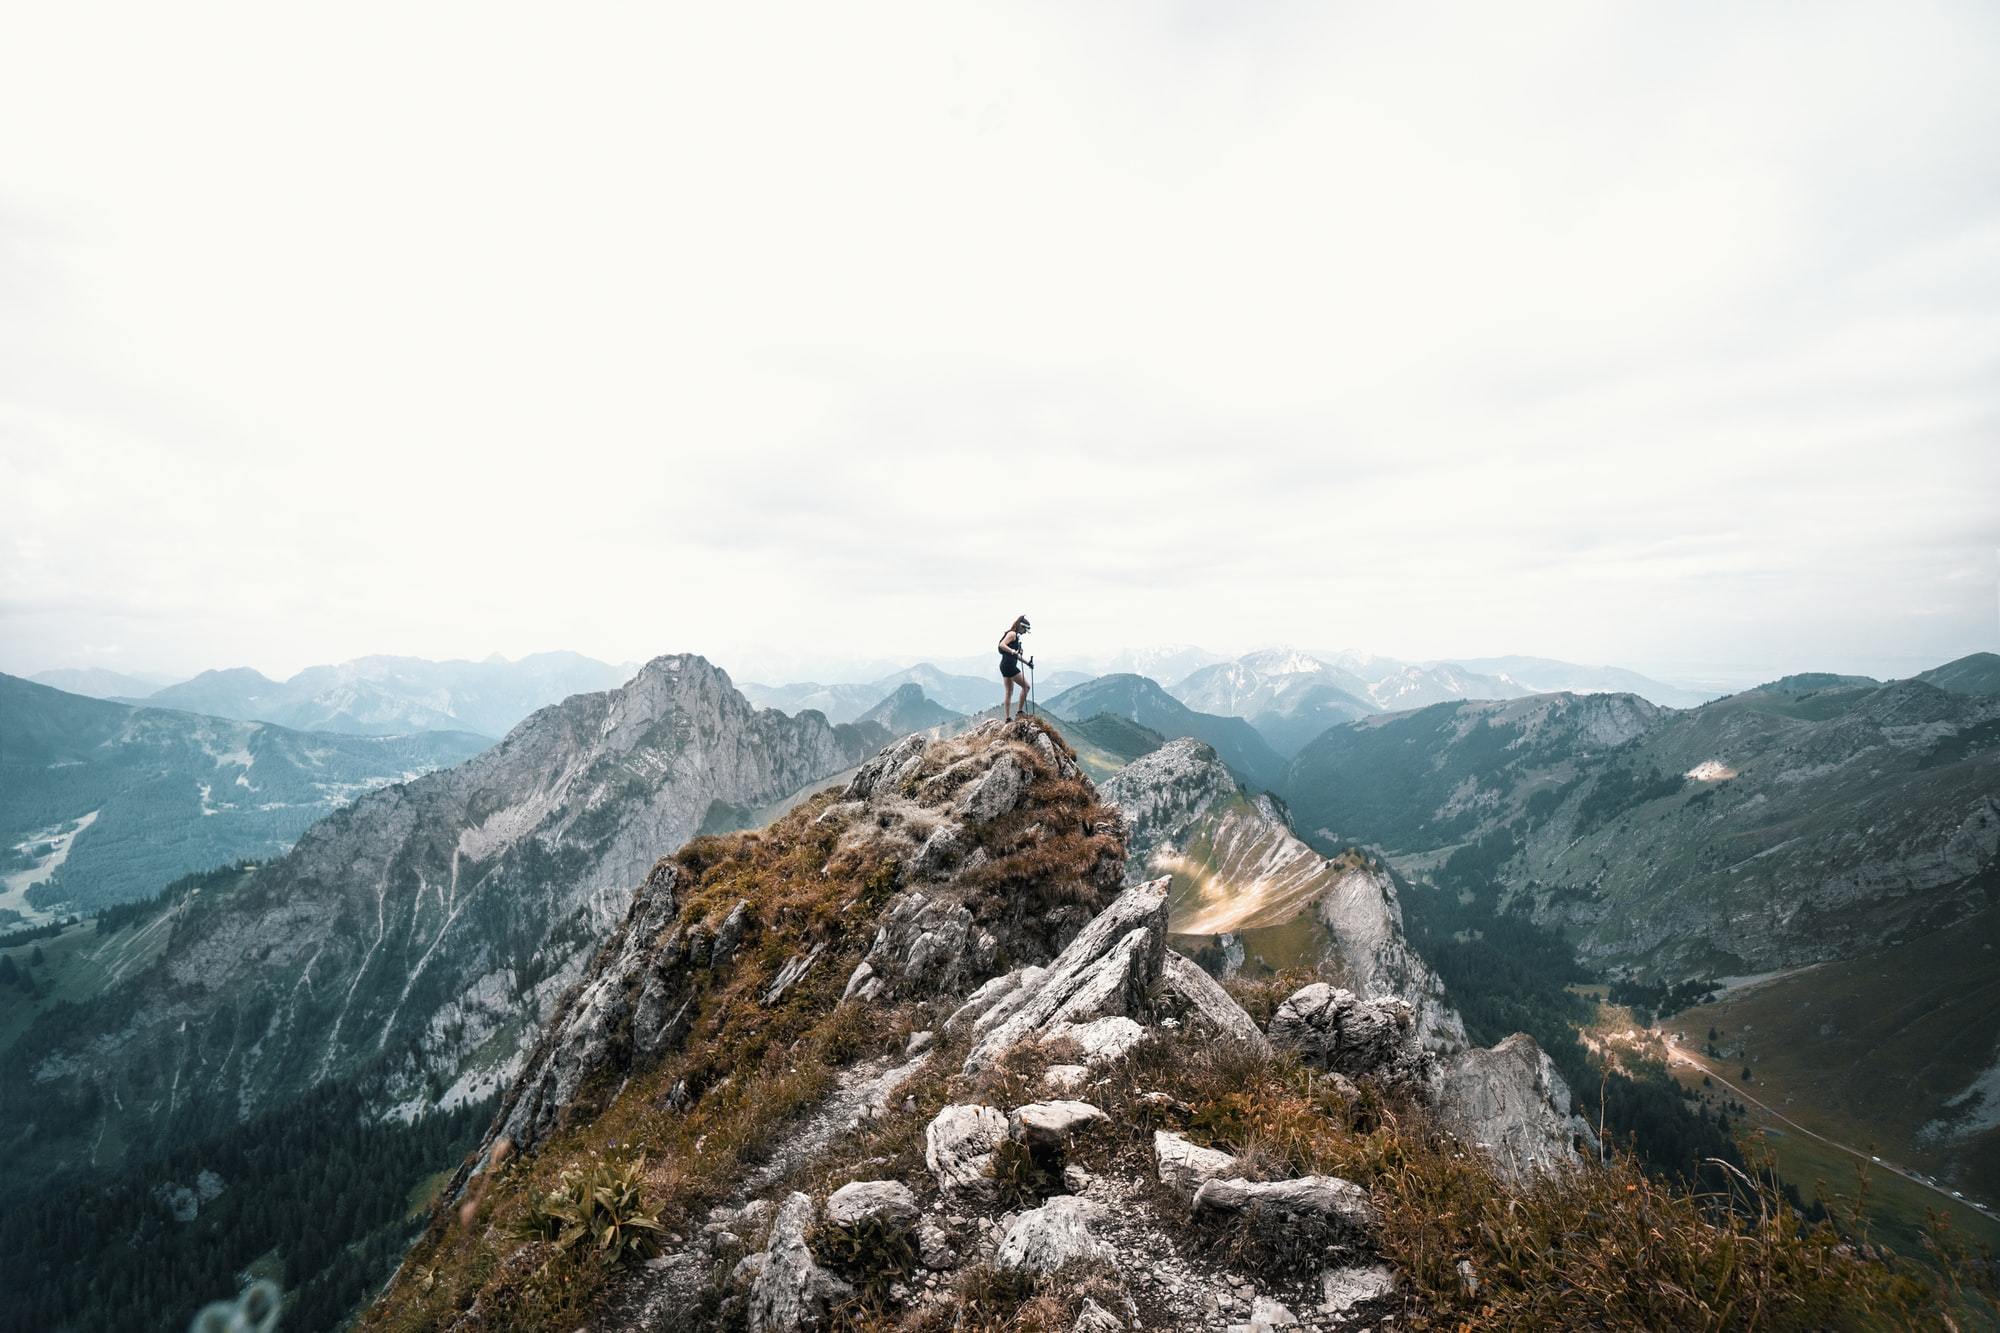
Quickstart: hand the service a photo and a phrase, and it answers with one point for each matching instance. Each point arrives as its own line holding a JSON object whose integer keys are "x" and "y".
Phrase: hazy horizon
{"x": 1614, "y": 334}
{"x": 780, "y": 667}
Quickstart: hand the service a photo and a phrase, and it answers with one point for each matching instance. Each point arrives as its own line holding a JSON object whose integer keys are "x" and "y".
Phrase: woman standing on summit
{"x": 1011, "y": 658}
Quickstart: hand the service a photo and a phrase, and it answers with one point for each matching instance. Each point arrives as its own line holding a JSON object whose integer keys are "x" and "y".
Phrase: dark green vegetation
{"x": 1885, "y": 1052}
{"x": 322, "y": 1196}
{"x": 87, "y": 958}
{"x": 159, "y": 794}
{"x": 1140, "y": 700}
{"x": 1116, "y": 735}
{"x": 1507, "y": 974}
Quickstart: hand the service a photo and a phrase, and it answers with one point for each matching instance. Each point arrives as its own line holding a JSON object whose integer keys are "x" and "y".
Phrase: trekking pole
{"x": 1031, "y": 681}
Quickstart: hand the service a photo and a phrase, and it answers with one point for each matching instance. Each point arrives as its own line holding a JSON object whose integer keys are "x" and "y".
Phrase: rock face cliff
{"x": 913, "y": 1050}
{"x": 417, "y": 938}
{"x": 1245, "y": 889}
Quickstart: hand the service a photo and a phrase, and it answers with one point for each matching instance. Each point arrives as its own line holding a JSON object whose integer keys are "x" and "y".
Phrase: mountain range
{"x": 386, "y": 696}
{"x": 430, "y": 944}
{"x": 412, "y": 940}
{"x": 102, "y": 802}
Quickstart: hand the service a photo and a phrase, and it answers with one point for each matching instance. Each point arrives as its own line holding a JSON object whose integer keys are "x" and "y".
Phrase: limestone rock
{"x": 885, "y": 1203}
{"x": 959, "y": 1144}
{"x": 1044, "y": 1239}
{"x": 1511, "y": 1102}
{"x": 1356, "y": 1292}
{"x": 995, "y": 792}
{"x": 1052, "y": 1124}
{"x": 1063, "y": 1080}
{"x": 1108, "y": 970}
{"x": 788, "y": 1289}
{"x": 1336, "y": 1030}
{"x": 1204, "y": 1009}
{"x": 1337, "y": 1209}
{"x": 1101, "y": 1041}
{"x": 1094, "y": 1318}
{"x": 1267, "y": 1314}
{"x": 1185, "y": 1167}
{"x": 926, "y": 945}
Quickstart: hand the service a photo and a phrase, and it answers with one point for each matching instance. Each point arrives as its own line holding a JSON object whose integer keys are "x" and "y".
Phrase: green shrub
{"x": 602, "y": 1205}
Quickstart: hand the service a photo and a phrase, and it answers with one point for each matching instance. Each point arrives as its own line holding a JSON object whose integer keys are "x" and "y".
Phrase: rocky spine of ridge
{"x": 1237, "y": 866}
{"x": 974, "y": 901}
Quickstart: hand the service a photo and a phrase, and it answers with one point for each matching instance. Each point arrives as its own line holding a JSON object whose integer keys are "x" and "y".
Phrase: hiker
{"x": 1011, "y": 658}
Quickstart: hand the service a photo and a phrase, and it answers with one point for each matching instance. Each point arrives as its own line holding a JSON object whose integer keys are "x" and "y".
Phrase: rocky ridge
{"x": 1253, "y": 891}
{"x": 1026, "y": 1131}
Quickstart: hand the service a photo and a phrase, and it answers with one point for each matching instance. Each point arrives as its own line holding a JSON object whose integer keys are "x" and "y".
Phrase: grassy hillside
{"x": 1877, "y": 1052}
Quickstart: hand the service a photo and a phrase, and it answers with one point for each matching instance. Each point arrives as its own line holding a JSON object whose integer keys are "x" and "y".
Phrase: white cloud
{"x": 1608, "y": 332}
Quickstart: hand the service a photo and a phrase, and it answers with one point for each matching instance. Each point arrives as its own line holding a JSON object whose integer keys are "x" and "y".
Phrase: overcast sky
{"x": 1663, "y": 335}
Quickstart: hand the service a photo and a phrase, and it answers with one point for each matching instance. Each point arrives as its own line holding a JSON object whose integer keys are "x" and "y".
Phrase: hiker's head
{"x": 1020, "y": 624}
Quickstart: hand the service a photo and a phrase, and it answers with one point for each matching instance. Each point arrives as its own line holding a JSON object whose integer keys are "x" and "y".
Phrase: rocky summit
{"x": 917, "y": 1055}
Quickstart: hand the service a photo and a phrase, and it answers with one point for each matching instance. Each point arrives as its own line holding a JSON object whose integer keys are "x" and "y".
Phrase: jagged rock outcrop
{"x": 1107, "y": 971}
{"x": 1241, "y": 880}
{"x": 1338, "y": 1031}
{"x": 1510, "y": 1101}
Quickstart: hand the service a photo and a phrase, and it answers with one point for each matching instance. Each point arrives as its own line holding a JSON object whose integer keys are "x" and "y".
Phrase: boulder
{"x": 1511, "y": 1102}
{"x": 1052, "y": 1124}
{"x": 1268, "y": 1316}
{"x": 1094, "y": 1318}
{"x": 1356, "y": 1292}
{"x": 1185, "y": 1167}
{"x": 995, "y": 792}
{"x": 884, "y": 1203}
{"x": 959, "y": 1144}
{"x": 788, "y": 1288}
{"x": 1203, "y": 1008}
{"x": 1108, "y": 970}
{"x": 1063, "y": 1080}
{"x": 1100, "y": 1042}
{"x": 1044, "y": 1239}
{"x": 1326, "y": 1206}
{"x": 1334, "y": 1029}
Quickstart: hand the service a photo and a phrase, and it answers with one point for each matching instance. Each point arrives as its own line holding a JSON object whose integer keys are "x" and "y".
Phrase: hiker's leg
{"x": 1007, "y": 705}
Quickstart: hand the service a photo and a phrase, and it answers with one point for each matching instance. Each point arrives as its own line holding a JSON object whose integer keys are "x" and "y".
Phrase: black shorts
{"x": 1009, "y": 670}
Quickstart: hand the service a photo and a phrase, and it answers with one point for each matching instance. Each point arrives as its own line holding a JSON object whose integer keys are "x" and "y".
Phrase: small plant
{"x": 602, "y": 1206}
{"x": 874, "y": 1255}
{"x": 1022, "y": 1176}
